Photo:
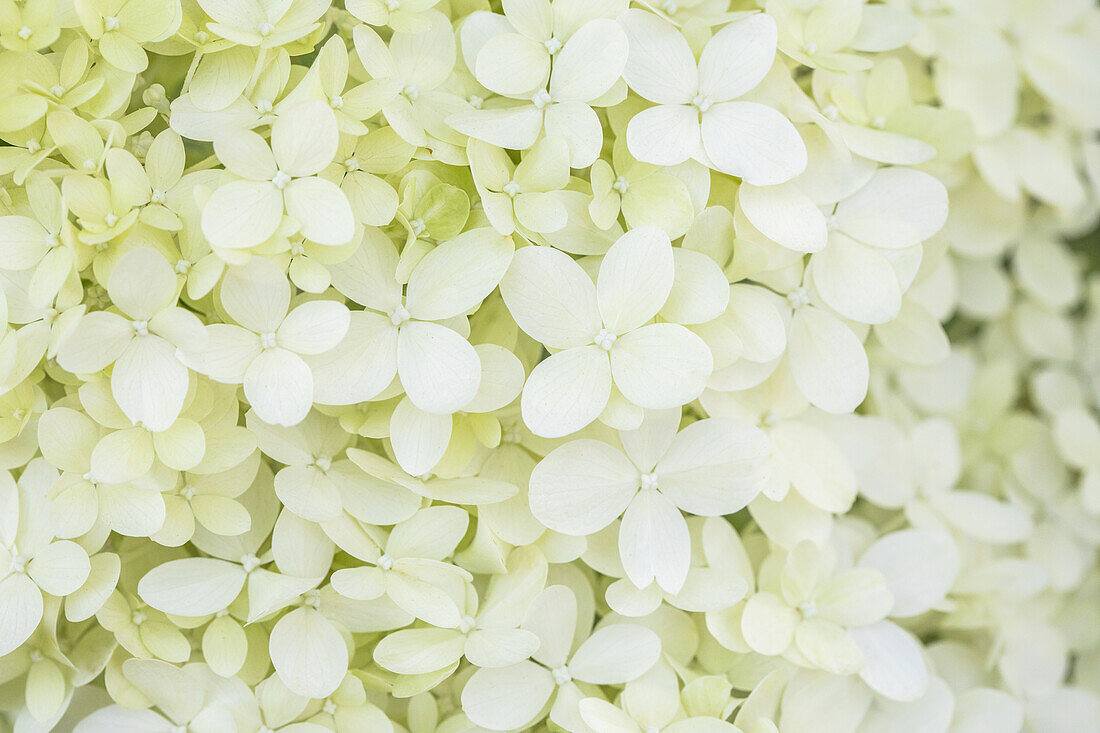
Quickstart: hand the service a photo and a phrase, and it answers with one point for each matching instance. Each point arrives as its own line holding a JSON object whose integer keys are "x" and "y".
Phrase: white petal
{"x": 242, "y": 214}
{"x": 660, "y": 66}
{"x": 308, "y": 653}
{"x": 502, "y": 378}
{"x": 419, "y": 651}
{"x": 362, "y": 365}
{"x": 367, "y": 277}
{"x": 322, "y": 209}
{"x": 279, "y": 386}
{"x": 737, "y": 57}
{"x": 507, "y": 698}
{"x": 98, "y": 339}
{"x": 580, "y": 127}
{"x": 894, "y": 666}
{"x": 566, "y": 391}
{"x": 512, "y": 65}
{"x": 654, "y": 543}
{"x": 754, "y": 142}
{"x": 590, "y": 62}
{"x": 142, "y": 283}
{"x": 149, "y": 383}
{"x": 919, "y": 565}
{"x": 664, "y": 135}
{"x": 514, "y": 128}
{"x": 700, "y": 291}
{"x": 899, "y": 207}
{"x": 815, "y": 465}
{"x": 122, "y": 456}
{"x": 304, "y": 138}
{"x": 582, "y": 487}
{"x": 457, "y": 275}
{"x": 439, "y": 369}
{"x": 661, "y": 365}
{"x": 768, "y": 624}
{"x": 256, "y": 295}
{"x": 60, "y": 568}
{"x": 314, "y": 327}
{"x": 20, "y": 611}
{"x": 635, "y": 278}
{"x": 715, "y": 466}
{"x": 419, "y": 438}
{"x": 615, "y": 654}
{"x": 194, "y": 586}
{"x": 784, "y": 215}
{"x": 551, "y": 298}
{"x": 828, "y": 361}
{"x": 228, "y": 352}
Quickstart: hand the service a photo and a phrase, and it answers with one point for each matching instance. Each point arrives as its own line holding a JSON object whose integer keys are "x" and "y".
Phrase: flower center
{"x": 183, "y": 266}
{"x": 202, "y": 36}
{"x": 110, "y": 220}
{"x": 411, "y": 92}
{"x": 399, "y": 315}
{"x": 265, "y": 29}
{"x": 808, "y": 609}
{"x": 417, "y": 226}
{"x": 466, "y": 624}
{"x": 669, "y": 7}
{"x": 810, "y": 48}
{"x": 137, "y": 618}
{"x": 620, "y": 185}
{"x": 250, "y": 562}
{"x": 312, "y": 598}
{"x": 561, "y": 675}
{"x": 541, "y": 98}
{"x": 385, "y": 562}
{"x": 280, "y": 180}
{"x": 511, "y": 188}
{"x": 267, "y": 340}
{"x": 110, "y": 23}
{"x": 604, "y": 339}
{"x": 264, "y": 106}
{"x": 18, "y": 563}
{"x": 649, "y": 481}
{"x": 798, "y": 298}
{"x": 323, "y": 462}
{"x": 351, "y": 164}
{"x": 552, "y": 46}
{"x": 188, "y": 492}
{"x": 476, "y": 101}
{"x": 702, "y": 102}
{"x": 831, "y": 111}
{"x": 33, "y": 146}
{"x": 25, "y": 33}
{"x": 141, "y": 328}
{"x": 392, "y": 5}
{"x": 329, "y": 708}
{"x": 158, "y": 196}
{"x": 878, "y": 123}
{"x": 336, "y": 101}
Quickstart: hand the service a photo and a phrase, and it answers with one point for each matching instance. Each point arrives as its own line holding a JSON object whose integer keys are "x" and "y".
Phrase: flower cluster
{"x": 448, "y": 366}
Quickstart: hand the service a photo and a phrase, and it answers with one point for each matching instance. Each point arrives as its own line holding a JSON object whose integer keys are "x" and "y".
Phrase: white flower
{"x": 600, "y": 333}
{"x": 507, "y": 698}
{"x": 279, "y": 178}
{"x": 558, "y": 98}
{"x": 149, "y": 381}
{"x": 410, "y": 334}
{"x": 32, "y": 561}
{"x": 711, "y": 468}
{"x": 265, "y": 351}
{"x": 696, "y": 115}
